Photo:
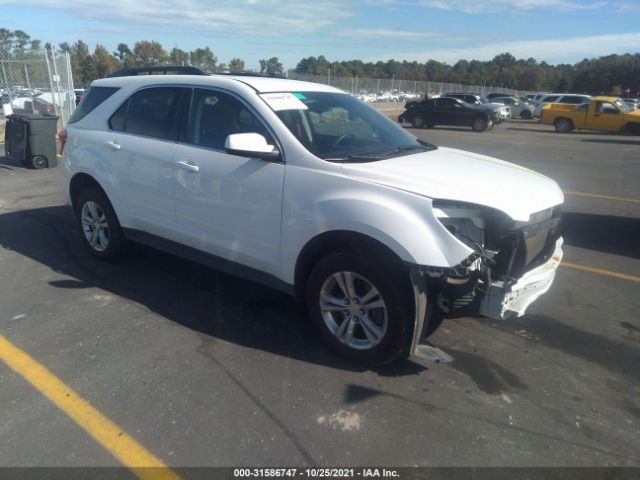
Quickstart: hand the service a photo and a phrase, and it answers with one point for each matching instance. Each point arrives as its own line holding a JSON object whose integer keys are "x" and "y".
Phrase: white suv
{"x": 304, "y": 188}
{"x": 569, "y": 99}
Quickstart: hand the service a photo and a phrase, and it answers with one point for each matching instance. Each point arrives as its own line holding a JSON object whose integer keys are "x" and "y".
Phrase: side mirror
{"x": 250, "y": 145}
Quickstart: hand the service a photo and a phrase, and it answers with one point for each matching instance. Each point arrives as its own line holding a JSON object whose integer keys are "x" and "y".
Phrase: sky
{"x": 556, "y": 31}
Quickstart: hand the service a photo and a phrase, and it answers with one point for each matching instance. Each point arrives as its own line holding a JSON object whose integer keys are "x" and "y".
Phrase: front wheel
{"x": 99, "y": 226}
{"x": 479, "y": 124}
{"x": 361, "y": 308}
{"x": 418, "y": 121}
{"x": 526, "y": 115}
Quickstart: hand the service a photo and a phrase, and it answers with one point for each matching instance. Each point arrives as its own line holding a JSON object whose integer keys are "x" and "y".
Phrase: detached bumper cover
{"x": 500, "y": 303}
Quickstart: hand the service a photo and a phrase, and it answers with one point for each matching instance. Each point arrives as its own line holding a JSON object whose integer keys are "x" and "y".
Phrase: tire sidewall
{"x": 116, "y": 240}
{"x": 418, "y": 121}
{"x": 396, "y": 342}
{"x": 479, "y": 124}
{"x": 563, "y": 125}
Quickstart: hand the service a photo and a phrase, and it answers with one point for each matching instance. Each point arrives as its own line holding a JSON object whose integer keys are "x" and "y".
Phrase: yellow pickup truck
{"x": 609, "y": 114}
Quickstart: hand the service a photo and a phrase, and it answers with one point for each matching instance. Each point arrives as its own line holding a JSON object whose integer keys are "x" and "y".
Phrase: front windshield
{"x": 338, "y": 127}
{"x": 625, "y": 107}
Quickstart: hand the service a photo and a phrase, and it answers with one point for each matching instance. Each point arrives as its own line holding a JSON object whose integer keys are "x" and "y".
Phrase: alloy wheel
{"x": 353, "y": 310}
{"x": 95, "y": 226}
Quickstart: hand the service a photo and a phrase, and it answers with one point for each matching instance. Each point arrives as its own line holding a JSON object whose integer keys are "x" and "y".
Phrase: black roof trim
{"x": 245, "y": 73}
{"x": 164, "y": 70}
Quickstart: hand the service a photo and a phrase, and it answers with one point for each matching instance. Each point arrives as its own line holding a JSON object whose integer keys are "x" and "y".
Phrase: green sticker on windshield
{"x": 300, "y": 96}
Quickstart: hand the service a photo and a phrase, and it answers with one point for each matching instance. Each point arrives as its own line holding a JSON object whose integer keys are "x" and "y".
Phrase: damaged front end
{"x": 513, "y": 263}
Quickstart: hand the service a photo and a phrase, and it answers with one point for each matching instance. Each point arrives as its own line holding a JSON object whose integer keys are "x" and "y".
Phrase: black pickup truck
{"x": 445, "y": 111}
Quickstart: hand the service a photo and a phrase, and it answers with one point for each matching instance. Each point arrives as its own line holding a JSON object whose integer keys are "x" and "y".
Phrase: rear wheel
{"x": 563, "y": 125}
{"x": 361, "y": 308}
{"x": 418, "y": 121}
{"x": 479, "y": 124}
{"x": 99, "y": 227}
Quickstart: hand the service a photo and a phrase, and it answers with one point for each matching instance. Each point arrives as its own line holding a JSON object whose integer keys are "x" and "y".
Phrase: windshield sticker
{"x": 300, "y": 96}
{"x": 283, "y": 101}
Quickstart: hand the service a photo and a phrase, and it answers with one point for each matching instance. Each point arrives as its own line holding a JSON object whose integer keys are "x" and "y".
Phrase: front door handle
{"x": 189, "y": 166}
{"x": 113, "y": 145}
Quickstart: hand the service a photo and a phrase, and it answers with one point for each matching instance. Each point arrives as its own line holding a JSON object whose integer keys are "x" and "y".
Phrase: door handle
{"x": 113, "y": 145}
{"x": 189, "y": 166}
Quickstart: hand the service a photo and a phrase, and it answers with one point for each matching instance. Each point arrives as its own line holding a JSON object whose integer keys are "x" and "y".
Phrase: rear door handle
{"x": 189, "y": 166}
{"x": 113, "y": 145}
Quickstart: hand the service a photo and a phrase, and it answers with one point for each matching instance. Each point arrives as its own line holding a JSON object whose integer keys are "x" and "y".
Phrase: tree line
{"x": 606, "y": 74}
{"x": 598, "y": 75}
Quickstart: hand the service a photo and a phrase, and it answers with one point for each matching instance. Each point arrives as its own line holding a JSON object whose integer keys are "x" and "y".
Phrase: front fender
{"x": 323, "y": 202}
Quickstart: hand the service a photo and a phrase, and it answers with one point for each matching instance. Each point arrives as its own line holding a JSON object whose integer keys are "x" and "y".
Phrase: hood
{"x": 451, "y": 174}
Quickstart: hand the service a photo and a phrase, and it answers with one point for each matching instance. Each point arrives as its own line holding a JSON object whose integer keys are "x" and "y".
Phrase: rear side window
{"x": 94, "y": 97}
{"x": 116, "y": 122}
{"x": 151, "y": 112}
{"x": 446, "y": 103}
{"x": 572, "y": 99}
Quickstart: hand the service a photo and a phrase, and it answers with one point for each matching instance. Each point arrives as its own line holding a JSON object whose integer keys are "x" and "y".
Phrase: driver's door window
{"x": 216, "y": 115}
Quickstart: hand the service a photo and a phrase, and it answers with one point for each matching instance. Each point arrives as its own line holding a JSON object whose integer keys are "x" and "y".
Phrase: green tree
{"x": 149, "y": 54}
{"x": 179, "y": 56}
{"x": 236, "y": 65}
{"x": 271, "y": 66}
{"x": 105, "y": 63}
{"x": 124, "y": 55}
{"x": 204, "y": 58}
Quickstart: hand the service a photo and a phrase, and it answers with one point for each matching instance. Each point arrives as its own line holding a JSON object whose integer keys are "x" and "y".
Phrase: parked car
{"x": 446, "y": 111}
{"x": 567, "y": 99}
{"x": 609, "y": 114}
{"x": 517, "y": 106}
{"x": 500, "y": 112}
{"x": 79, "y": 94}
{"x": 304, "y": 188}
{"x": 43, "y": 107}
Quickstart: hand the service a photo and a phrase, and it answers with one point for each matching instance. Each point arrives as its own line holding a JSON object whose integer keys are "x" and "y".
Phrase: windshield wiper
{"x": 363, "y": 157}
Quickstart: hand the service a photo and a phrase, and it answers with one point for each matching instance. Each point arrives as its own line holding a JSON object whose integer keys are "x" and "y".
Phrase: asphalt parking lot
{"x": 203, "y": 369}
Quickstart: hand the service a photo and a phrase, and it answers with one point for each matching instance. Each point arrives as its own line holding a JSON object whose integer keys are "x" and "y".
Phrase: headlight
{"x": 465, "y": 222}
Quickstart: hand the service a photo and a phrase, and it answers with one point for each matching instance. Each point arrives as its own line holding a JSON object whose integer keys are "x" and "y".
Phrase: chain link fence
{"x": 37, "y": 82}
{"x": 389, "y": 93}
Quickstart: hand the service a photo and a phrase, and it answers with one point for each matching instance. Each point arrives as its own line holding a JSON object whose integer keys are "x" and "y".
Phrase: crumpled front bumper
{"x": 500, "y": 303}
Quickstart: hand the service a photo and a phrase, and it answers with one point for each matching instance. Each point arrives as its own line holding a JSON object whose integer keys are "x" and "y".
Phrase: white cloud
{"x": 391, "y": 33}
{"x": 255, "y": 17}
{"x": 491, "y": 6}
{"x": 554, "y": 50}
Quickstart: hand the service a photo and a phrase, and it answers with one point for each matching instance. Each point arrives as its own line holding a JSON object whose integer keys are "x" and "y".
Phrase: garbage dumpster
{"x": 31, "y": 139}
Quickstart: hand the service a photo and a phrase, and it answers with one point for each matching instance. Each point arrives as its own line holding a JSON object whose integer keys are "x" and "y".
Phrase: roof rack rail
{"x": 164, "y": 70}
{"x": 248, "y": 73}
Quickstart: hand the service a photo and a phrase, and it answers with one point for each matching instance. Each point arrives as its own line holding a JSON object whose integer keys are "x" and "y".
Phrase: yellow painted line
{"x": 604, "y": 197}
{"x": 623, "y": 276}
{"x": 123, "y": 447}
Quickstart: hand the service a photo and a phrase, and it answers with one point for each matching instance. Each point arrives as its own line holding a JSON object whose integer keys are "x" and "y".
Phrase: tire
{"x": 418, "y": 121}
{"x": 631, "y": 129}
{"x": 344, "y": 326}
{"x": 39, "y": 162}
{"x": 526, "y": 115}
{"x": 563, "y": 125}
{"x": 479, "y": 124}
{"x": 109, "y": 243}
